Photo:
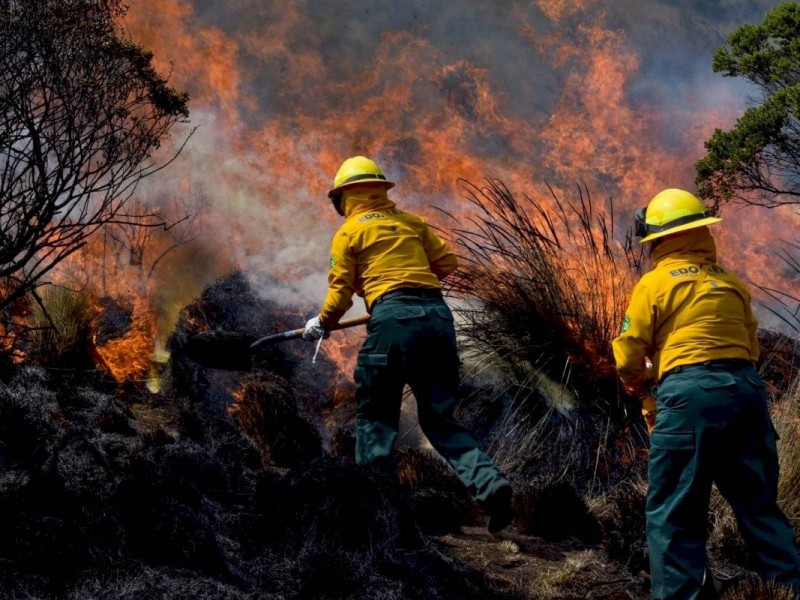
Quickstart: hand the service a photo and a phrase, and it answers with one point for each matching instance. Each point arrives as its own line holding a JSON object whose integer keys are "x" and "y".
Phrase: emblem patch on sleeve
{"x": 626, "y": 324}
{"x": 333, "y": 261}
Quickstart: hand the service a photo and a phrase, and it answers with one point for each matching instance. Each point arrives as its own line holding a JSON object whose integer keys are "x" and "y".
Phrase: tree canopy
{"x": 82, "y": 111}
{"x": 758, "y": 160}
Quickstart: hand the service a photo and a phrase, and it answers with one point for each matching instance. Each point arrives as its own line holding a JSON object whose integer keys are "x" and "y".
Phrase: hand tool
{"x": 233, "y": 351}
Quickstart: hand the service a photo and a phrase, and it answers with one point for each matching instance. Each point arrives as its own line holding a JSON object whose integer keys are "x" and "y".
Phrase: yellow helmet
{"x": 357, "y": 169}
{"x": 671, "y": 211}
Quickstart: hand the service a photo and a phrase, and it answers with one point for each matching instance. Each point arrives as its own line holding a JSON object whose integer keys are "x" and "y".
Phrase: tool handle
{"x": 293, "y": 334}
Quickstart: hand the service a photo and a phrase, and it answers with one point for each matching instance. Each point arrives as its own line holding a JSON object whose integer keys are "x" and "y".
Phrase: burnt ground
{"x": 101, "y": 499}
{"x": 242, "y": 486}
{"x": 105, "y": 495}
{"x": 165, "y": 499}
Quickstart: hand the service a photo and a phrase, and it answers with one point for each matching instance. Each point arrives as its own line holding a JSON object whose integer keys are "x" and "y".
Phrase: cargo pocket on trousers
{"x": 672, "y": 441}
{"x": 372, "y": 360}
{"x": 404, "y": 313}
{"x": 369, "y": 368}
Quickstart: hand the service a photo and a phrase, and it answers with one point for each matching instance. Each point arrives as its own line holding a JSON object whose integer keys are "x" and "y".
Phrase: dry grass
{"x": 752, "y": 588}
{"x": 523, "y": 438}
{"x": 152, "y": 419}
{"x": 541, "y": 293}
{"x": 61, "y": 325}
{"x": 620, "y": 513}
{"x": 786, "y": 418}
{"x": 543, "y": 282}
{"x": 551, "y": 583}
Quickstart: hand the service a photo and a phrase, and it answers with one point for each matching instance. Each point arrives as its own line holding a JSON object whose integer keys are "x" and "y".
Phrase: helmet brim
{"x": 684, "y": 227}
{"x": 338, "y": 190}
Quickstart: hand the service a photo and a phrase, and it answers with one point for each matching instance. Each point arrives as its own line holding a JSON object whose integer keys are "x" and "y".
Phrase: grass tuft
{"x": 543, "y": 282}
{"x": 540, "y": 295}
{"x": 61, "y": 327}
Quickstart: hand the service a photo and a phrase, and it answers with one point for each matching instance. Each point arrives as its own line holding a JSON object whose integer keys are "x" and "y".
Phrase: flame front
{"x": 547, "y": 91}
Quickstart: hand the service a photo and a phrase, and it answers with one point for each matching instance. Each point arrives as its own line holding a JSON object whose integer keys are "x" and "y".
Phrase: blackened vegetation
{"x": 540, "y": 505}
{"x": 268, "y": 412}
{"x": 124, "y": 494}
{"x": 230, "y": 305}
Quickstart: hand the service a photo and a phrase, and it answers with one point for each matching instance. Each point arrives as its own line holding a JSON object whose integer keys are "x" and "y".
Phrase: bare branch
{"x": 82, "y": 112}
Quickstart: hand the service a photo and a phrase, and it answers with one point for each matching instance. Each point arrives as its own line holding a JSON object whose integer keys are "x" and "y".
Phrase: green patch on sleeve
{"x": 626, "y": 324}
{"x": 333, "y": 261}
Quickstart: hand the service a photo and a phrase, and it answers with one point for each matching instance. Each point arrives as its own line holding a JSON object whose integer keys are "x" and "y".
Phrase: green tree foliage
{"x": 758, "y": 161}
{"x": 81, "y": 112}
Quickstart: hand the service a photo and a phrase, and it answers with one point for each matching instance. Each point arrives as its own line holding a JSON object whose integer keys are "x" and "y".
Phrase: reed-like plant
{"x": 540, "y": 294}
{"x": 544, "y": 281}
{"x": 61, "y": 326}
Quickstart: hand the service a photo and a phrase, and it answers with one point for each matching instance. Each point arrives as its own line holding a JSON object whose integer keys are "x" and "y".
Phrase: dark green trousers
{"x": 411, "y": 340}
{"x": 713, "y": 425}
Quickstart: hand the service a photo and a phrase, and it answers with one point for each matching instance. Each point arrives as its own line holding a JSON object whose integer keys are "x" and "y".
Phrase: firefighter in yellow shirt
{"x": 692, "y": 319}
{"x": 396, "y": 263}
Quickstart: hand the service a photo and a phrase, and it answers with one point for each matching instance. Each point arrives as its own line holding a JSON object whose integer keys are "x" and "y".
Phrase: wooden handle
{"x": 354, "y": 322}
{"x": 293, "y": 334}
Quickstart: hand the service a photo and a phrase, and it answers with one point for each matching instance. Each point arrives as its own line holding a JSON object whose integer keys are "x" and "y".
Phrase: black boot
{"x": 500, "y": 510}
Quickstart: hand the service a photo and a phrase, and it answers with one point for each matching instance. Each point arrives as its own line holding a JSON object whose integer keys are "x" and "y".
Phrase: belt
{"x": 409, "y": 293}
{"x": 720, "y": 363}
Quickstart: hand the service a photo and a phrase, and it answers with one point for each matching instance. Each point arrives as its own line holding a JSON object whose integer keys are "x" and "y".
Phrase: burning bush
{"x": 542, "y": 293}
{"x": 544, "y": 286}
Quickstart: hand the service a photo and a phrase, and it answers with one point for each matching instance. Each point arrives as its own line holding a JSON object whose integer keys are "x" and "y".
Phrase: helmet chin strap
{"x": 337, "y": 204}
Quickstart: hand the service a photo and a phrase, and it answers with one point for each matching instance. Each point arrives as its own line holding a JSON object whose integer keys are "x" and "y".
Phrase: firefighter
{"x": 692, "y": 319}
{"x": 396, "y": 263}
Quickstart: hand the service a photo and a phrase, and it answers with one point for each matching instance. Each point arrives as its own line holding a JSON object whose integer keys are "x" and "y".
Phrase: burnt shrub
{"x": 268, "y": 413}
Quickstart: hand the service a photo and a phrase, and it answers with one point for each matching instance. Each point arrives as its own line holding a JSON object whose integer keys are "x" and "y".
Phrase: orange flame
{"x": 128, "y": 357}
{"x": 277, "y": 111}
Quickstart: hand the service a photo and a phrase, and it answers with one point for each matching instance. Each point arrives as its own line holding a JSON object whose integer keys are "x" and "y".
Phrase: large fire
{"x": 550, "y": 92}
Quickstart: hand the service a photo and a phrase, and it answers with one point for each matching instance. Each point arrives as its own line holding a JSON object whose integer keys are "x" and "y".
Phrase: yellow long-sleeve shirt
{"x": 686, "y": 310}
{"x": 378, "y": 249}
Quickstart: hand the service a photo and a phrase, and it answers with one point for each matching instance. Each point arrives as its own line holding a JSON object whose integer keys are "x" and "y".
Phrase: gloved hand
{"x": 314, "y": 330}
{"x": 649, "y": 412}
